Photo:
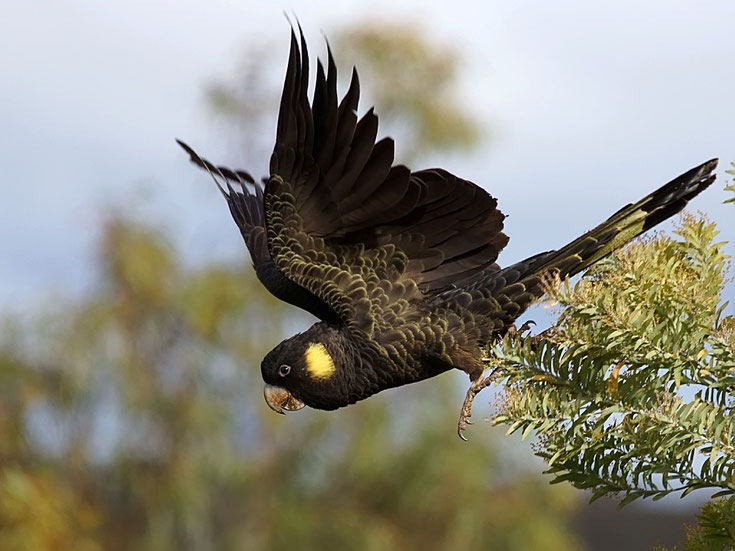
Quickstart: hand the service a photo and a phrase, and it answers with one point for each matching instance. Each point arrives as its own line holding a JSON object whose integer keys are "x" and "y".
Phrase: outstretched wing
{"x": 366, "y": 237}
{"x": 247, "y": 209}
{"x": 350, "y": 237}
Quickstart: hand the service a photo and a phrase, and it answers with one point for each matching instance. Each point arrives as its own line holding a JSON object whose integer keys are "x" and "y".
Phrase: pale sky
{"x": 592, "y": 104}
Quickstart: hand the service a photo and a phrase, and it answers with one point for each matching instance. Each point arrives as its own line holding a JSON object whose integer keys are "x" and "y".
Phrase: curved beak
{"x": 280, "y": 399}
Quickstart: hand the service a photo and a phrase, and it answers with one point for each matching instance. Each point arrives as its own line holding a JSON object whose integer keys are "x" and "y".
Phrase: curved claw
{"x": 464, "y": 416}
{"x": 461, "y": 426}
{"x": 526, "y": 326}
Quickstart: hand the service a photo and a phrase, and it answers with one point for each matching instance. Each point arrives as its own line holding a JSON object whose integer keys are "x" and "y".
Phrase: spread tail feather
{"x": 629, "y": 222}
{"x": 516, "y": 286}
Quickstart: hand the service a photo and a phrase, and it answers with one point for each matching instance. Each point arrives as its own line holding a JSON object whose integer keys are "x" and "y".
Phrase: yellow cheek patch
{"x": 319, "y": 363}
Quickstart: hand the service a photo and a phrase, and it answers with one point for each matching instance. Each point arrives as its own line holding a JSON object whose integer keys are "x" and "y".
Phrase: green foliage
{"x": 631, "y": 391}
{"x": 715, "y": 530}
{"x": 731, "y": 187}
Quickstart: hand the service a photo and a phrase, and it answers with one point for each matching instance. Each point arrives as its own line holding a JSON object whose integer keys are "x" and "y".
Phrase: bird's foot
{"x": 464, "y": 416}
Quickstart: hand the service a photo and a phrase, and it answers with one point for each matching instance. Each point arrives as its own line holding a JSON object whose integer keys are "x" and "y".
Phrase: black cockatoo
{"x": 399, "y": 266}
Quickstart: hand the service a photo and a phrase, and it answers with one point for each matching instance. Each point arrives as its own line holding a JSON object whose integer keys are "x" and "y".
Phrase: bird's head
{"x": 309, "y": 369}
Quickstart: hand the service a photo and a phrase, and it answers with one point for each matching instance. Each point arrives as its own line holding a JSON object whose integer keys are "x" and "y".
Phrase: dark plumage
{"x": 399, "y": 266}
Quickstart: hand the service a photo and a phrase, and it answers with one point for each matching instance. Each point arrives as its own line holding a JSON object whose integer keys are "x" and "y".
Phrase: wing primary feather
{"x": 206, "y": 165}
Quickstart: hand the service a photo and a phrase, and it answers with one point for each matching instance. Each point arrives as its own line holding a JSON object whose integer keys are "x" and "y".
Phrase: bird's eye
{"x": 284, "y": 370}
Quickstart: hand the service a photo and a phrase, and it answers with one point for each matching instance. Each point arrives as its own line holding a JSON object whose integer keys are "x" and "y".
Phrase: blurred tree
{"x": 246, "y": 103}
{"x": 414, "y": 85}
{"x": 422, "y": 104}
{"x": 133, "y": 418}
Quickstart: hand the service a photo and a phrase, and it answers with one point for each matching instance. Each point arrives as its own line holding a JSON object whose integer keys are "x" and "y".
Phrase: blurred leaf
{"x": 731, "y": 187}
{"x": 39, "y": 512}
